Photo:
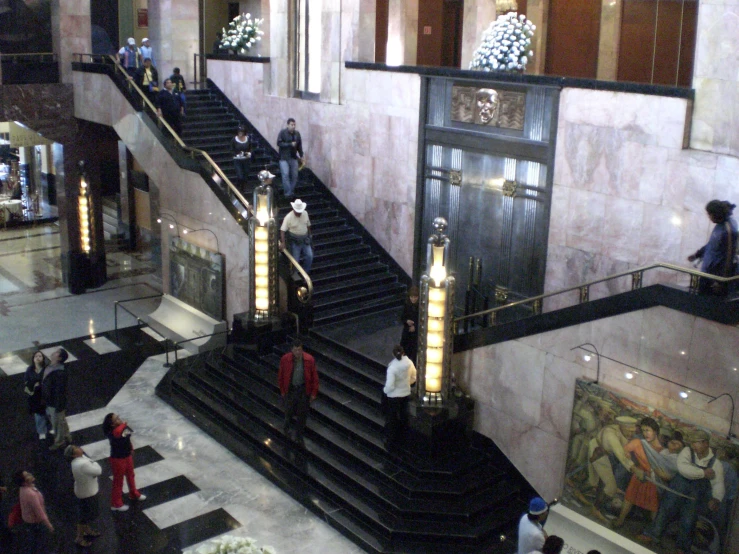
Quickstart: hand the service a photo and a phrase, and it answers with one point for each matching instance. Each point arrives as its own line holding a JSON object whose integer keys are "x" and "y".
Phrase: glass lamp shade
{"x": 438, "y": 271}
{"x": 262, "y": 208}
{"x": 84, "y": 215}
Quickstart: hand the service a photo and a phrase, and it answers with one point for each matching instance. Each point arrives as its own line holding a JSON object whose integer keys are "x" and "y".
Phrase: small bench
{"x": 180, "y": 323}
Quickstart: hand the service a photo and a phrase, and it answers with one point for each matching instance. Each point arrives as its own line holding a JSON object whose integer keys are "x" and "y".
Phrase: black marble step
{"x": 167, "y": 490}
{"x": 332, "y": 260}
{"x": 362, "y": 297}
{"x": 351, "y": 284}
{"x": 384, "y": 498}
{"x": 325, "y": 317}
{"x": 323, "y": 279}
{"x": 199, "y": 529}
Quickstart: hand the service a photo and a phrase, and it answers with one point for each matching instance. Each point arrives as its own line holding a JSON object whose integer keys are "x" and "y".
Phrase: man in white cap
{"x": 531, "y": 534}
{"x": 296, "y": 229}
{"x": 146, "y": 50}
{"x": 130, "y": 56}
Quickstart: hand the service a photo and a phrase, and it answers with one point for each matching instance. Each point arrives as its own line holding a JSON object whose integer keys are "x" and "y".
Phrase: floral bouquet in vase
{"x": 243, "y": 32}
{"x": 229, "y": 544}
{"x": 505, "y": 45}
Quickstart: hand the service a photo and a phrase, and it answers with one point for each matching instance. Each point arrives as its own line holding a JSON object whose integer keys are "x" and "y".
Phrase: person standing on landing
{"x": 86, "y": 473}
{"x": 291, "y": 152}
{"x": 718, "y": 256}
{"x": 298, "y": 381}
{"x": 121, "y": 461}
{"x": 54, "y": 389}
{"x": 401, "y": 375}
{"x": 36, "y": 406}
{"x": 531, "y": 534}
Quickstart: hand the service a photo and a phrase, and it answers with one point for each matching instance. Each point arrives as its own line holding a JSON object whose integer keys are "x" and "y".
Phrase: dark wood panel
{"x": 687, "y": 43}
{"x": 382, "y": 15}
{"x": 667, "y": 42}
{"x": 430, "y": 18}
{"x": 573, "y": 36}
{"x": 451, "y": 48}
{"x": 638, "y": 21}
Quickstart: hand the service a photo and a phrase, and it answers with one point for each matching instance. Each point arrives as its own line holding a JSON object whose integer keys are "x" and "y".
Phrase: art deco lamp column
{"x": 435, "y": 321}
{"x": 263, "y": 252}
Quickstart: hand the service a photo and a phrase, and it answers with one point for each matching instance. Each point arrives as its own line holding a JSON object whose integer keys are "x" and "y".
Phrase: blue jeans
{"x": 41, "y": 426}
{"x": 289, "y": 174}
{"x": 672, "y": 506}
{"x": 241, "y": 165}
{"x": 305, "y": 251}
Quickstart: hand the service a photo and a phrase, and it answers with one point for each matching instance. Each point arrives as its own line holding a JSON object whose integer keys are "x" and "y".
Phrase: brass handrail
{"x": 145, "y": 99}
{"x": 302, "y": 272}
{"x": 584, "y": 288}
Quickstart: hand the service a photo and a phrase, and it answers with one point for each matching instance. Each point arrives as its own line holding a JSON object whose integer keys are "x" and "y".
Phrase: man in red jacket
{"x": 298, "y": 381}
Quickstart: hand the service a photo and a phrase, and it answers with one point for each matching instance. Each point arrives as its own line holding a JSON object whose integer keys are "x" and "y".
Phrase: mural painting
{"x": 658, "y": 480}
{"x": 196, "y": 277}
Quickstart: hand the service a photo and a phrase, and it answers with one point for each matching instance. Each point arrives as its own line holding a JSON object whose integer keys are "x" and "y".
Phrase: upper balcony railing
{"x": 535, "y": 305}
{"x": 29, "y": 68}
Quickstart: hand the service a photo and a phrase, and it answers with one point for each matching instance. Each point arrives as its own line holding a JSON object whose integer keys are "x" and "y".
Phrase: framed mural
{"x": 196, "y": 276}
{"x": 659, "y": 480}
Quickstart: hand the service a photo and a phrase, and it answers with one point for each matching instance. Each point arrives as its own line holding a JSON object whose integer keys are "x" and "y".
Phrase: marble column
{"x": 174, "y": 32}
{"x": 278, "y": 80}
{"x": 538, "y": 13}
{"x": 477, "y": 17}
{"x": 358, "y": 19}
{"x": 402, "y": 32}
{"x": 71, "y": 33}
{"x": 716, "y": 78}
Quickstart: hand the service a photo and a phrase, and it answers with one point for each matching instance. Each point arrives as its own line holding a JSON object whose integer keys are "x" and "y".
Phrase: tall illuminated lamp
{"x": 440, "y": 416}
{"x": 263, "y": 252}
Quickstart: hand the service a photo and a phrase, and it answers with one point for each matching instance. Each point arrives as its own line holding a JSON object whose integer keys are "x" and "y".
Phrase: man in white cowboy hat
{"x": 296, "y": 228}
{"x": 130, "y": 56}
{"x": 146, "y": 50}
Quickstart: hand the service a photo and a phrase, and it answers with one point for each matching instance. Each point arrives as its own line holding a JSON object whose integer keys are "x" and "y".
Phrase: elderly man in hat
{"x": 608, "y": 462}
{"x": 130, "y": 57}
{"x": 295, "y": 234}
{"x": 146, "y": 50}
{"x": 697, "y": 489}
{"x": 531, "y": 534}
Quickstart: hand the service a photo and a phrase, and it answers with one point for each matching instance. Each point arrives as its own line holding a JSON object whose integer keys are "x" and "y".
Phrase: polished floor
{"x": 195, "y": 488}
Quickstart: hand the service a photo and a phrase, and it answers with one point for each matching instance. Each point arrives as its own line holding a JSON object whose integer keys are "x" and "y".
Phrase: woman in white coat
{"x": 401, "y": 374}
{"x": 86, "y": 473}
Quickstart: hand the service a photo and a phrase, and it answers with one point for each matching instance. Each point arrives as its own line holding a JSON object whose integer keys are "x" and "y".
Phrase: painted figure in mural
{"x": 586, "y": 422}
{"x": 697, "y": 489}
{"x": 608, "y": 462}
{"x": 642, "y": 491}
{"x": 718, "y": 256}
{"x": 731, "y": 484}
{"x": 488, "y": 107}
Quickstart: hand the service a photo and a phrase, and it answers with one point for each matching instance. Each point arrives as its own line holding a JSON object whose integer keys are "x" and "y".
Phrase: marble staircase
{"x": 352, "y": 274}
{"x": 385, "y": 501}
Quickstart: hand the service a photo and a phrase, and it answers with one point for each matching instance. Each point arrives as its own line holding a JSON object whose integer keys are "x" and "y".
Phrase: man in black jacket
{"x": 170, "y": 107}
{"x": 54, "y": 390}
{"x": 147, "y": 79}
{"x": 291, "y": 151}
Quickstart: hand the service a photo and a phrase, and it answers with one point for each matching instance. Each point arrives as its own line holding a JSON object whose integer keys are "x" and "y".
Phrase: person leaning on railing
{"x": 718, "y": 256}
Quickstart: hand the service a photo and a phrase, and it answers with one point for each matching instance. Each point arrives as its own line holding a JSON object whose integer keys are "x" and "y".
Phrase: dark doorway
{"x": 104, "y": 23}
{"x": 233, "y": 10}
{"x": 381, "y": 22}
{"x": 451, "y": 48}
{"x": 440, "y": 33}
{"x": 573, "y": 37}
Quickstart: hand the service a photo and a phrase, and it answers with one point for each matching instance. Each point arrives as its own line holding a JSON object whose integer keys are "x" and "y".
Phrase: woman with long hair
{"x": 36, "y": 405}
{"x": 121, "y": 461}
{"x": 241, "y": 147}
{"x": 718, "y": 256}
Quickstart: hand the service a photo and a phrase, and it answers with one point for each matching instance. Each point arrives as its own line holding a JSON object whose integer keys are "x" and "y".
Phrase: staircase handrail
{"x": 584, "y": 288}
{"x": 153, "y": 113}
{"x": 303, "y": 274}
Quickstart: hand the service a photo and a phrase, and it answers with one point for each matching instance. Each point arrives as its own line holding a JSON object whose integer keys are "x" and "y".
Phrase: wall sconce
{"x": 263, "y": 250}
{"x": 587, "y": 358}
{"x": 186, "y": 231}
{"x": 85, "y": 211}
{"x": 435, "y": 314}
{"x": 175, "y": 226}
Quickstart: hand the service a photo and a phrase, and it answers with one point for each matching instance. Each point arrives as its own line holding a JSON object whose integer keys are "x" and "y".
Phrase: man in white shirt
{"x": 698, "y": 488}
{"x": 531, "y": 534}
{"x": 146, "y": 50}
{"x": 295, "y": 235}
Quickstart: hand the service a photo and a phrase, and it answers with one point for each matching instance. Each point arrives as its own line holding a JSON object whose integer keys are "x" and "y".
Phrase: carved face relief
{"x": 487, "y": 106}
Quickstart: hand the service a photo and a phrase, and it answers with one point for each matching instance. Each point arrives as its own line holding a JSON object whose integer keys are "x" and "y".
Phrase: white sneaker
{"x": 119, "y": 509}
{"x": 51, "y": 432}
{"x": 42, "y": 437}
{"x": 141, "y": 497}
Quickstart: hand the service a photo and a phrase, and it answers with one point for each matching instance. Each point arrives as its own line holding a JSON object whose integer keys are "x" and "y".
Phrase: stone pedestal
{"x": 438, "y": 431}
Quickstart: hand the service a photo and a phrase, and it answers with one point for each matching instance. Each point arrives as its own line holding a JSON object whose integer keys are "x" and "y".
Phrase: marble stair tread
{"x": 327, "y": 222}
{"x": 326, "y": 265}
{"x": 200, "y": 528}
{"x": 338, "y": 254}
{"x": 431, "y": 514}
{"x": 343, "y": 312}
{"x": 366, "y": 296}
{"x": 356, "y": 270}
{"x": 349, "y": 283}
{"x": 340, "y": 229}
{"x": 167, "y": 490}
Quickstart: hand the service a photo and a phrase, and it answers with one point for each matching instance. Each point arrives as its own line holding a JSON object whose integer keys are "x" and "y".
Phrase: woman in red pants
{"x": 121, "y": 461}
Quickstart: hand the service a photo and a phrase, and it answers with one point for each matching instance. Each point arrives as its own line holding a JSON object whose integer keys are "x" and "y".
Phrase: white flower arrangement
{"x": 243, "y": 32}
{"x": 228, "y": 544}
{"x": 505, "y": 45}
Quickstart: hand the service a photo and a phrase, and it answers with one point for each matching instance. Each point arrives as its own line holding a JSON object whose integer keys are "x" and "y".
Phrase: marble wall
{"x": 71, "y": 33}
{"x": 174, "y": 32}
{"x": 402, "y": 32}
{"x": 716, "y": 78}
{"x": 476, "y": 18}
{"x": 182, "y": 194}
{"x": 626, "y": 193}
{"x": 365, "y": 149}
{"x": 524, "y": 389}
